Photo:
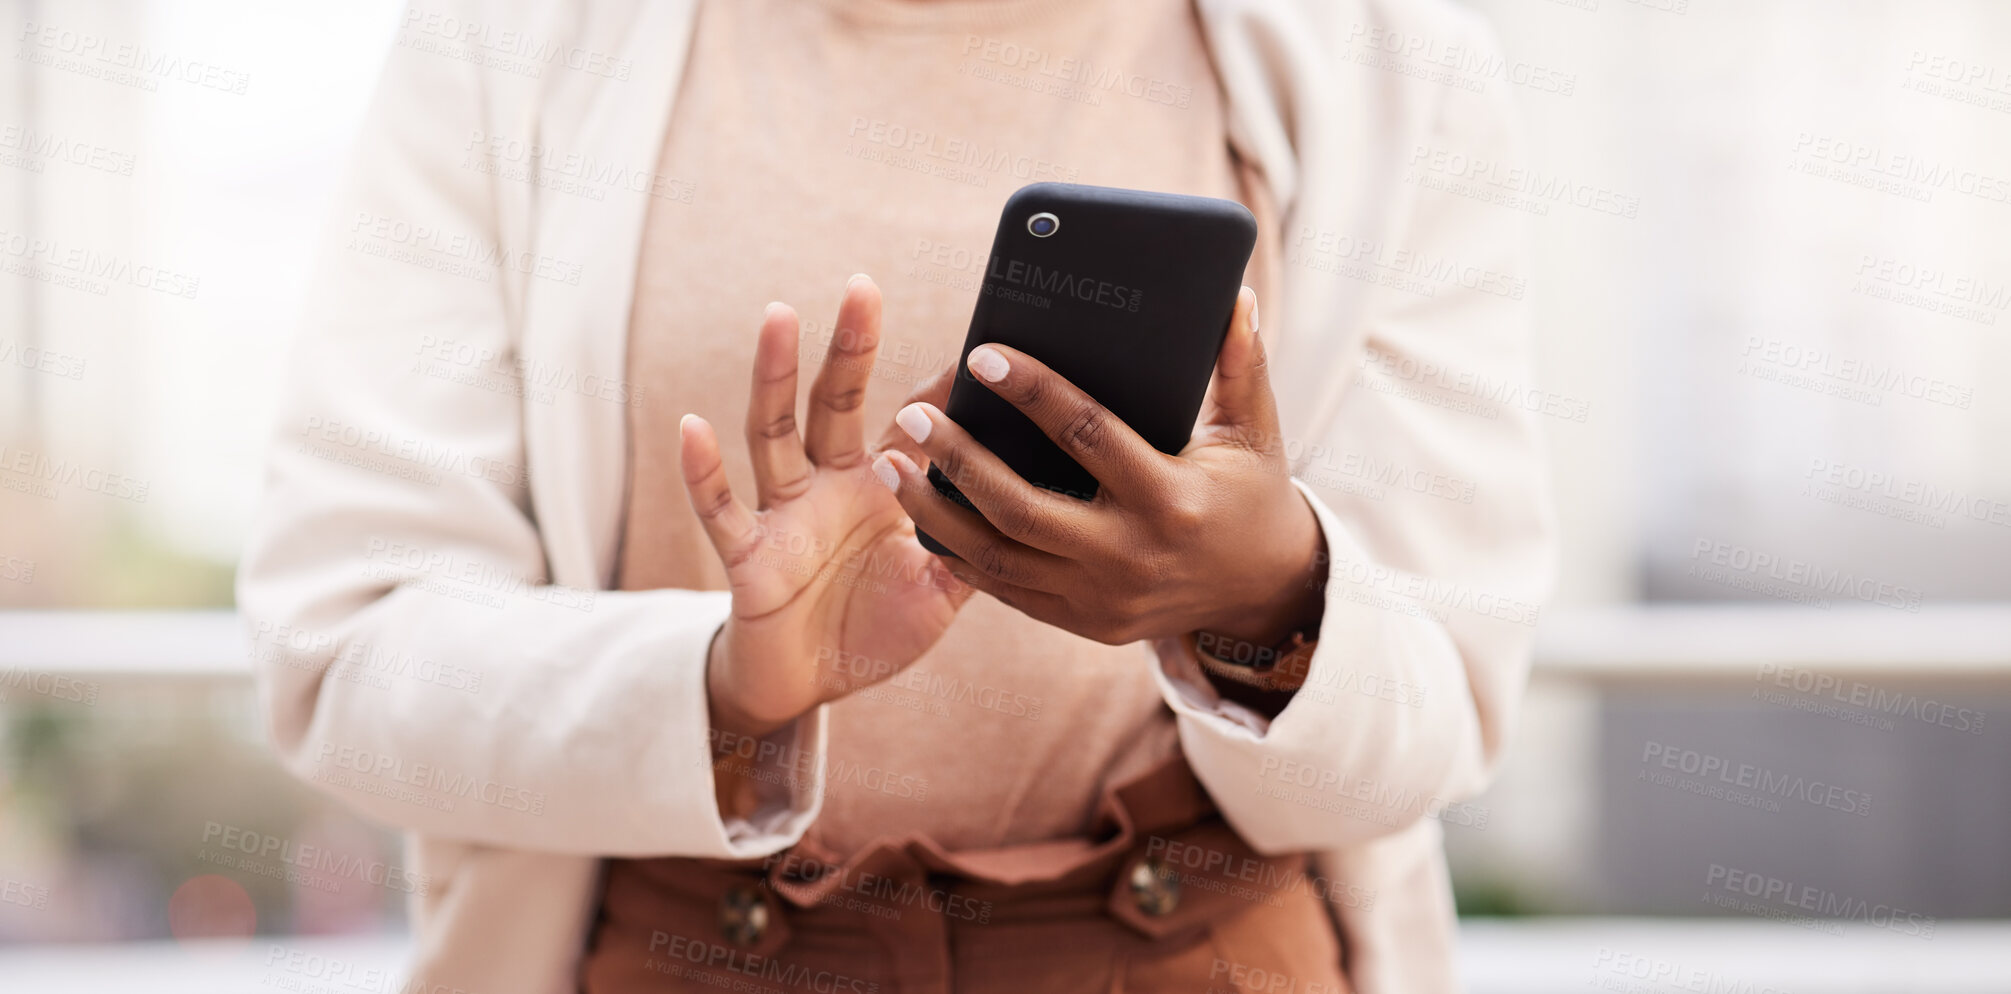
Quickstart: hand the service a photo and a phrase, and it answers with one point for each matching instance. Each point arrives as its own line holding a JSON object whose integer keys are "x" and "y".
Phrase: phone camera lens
{"x": 1043, "y": 224}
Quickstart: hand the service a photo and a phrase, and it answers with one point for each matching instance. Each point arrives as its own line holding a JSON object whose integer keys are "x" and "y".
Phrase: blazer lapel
{"x": 1297, "y": 110}
{"x": 575, "y": 316}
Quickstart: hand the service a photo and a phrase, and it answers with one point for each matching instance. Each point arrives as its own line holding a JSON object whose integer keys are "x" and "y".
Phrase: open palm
{"x": 831, "y": 590}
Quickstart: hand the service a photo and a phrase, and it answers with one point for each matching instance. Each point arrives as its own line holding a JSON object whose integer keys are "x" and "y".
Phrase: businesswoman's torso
{"x": 820, "y": 138}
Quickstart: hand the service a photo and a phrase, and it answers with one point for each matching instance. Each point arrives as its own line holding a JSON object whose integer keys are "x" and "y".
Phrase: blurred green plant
{"x": 131, "y": 567}
{"x": 1490, "y": 898}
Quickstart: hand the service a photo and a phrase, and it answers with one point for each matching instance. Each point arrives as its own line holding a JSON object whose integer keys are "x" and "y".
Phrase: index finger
{"x": 1121, "y": 461}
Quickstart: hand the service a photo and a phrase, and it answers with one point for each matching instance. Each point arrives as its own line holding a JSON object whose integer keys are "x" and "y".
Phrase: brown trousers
{"x": 1161, "y": 896}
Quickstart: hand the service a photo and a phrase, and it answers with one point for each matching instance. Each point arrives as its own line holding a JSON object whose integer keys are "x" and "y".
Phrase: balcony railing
{"x": 1691, "y": 644}
{"x": 1695, "y": 647}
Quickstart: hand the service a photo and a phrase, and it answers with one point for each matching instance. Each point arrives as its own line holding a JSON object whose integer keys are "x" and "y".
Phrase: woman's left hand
{"x": 1216, "y": 538}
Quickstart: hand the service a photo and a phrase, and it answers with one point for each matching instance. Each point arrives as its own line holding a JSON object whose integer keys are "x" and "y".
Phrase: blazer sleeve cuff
{"x": 785, "y": 769}
{"x": 789, "y": 778}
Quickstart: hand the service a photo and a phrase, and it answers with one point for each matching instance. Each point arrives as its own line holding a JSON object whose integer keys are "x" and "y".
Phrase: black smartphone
{"x": 1127, "y": 294}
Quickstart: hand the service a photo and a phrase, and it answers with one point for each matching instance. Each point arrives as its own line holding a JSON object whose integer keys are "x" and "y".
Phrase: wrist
{"x": 1291, "y": 600}
{"x": 731, "y": 720}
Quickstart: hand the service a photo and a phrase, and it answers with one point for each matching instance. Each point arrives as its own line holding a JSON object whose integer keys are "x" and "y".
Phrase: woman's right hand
{"x": 831, "y": 590}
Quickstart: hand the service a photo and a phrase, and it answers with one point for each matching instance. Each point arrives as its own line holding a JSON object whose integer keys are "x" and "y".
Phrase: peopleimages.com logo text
{"x": 1034, "y": 276}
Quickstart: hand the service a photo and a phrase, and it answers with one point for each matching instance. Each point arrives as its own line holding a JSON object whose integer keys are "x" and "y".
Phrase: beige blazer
{"x": 426, "y": 582}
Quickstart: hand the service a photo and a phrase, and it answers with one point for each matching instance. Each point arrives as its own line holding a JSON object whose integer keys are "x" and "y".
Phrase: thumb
{"x": 1240, "y": 396}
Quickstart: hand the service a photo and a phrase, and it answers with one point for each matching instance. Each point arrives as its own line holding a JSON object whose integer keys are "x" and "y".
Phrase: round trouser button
{"x": 1155, "y": 887}
{"x": 743, "y": 915}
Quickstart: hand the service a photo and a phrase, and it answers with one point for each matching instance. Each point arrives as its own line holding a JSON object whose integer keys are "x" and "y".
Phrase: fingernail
{"x": 1253, "y": 309}
{"x": 989, "y": 364}
{"x": 856, "y": 277}
{"x": 914, "y": 421}
{"x": 883, "y": 468}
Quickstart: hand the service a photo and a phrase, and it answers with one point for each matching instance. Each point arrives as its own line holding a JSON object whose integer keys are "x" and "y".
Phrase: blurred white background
{"x": 1771, "y": 271}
